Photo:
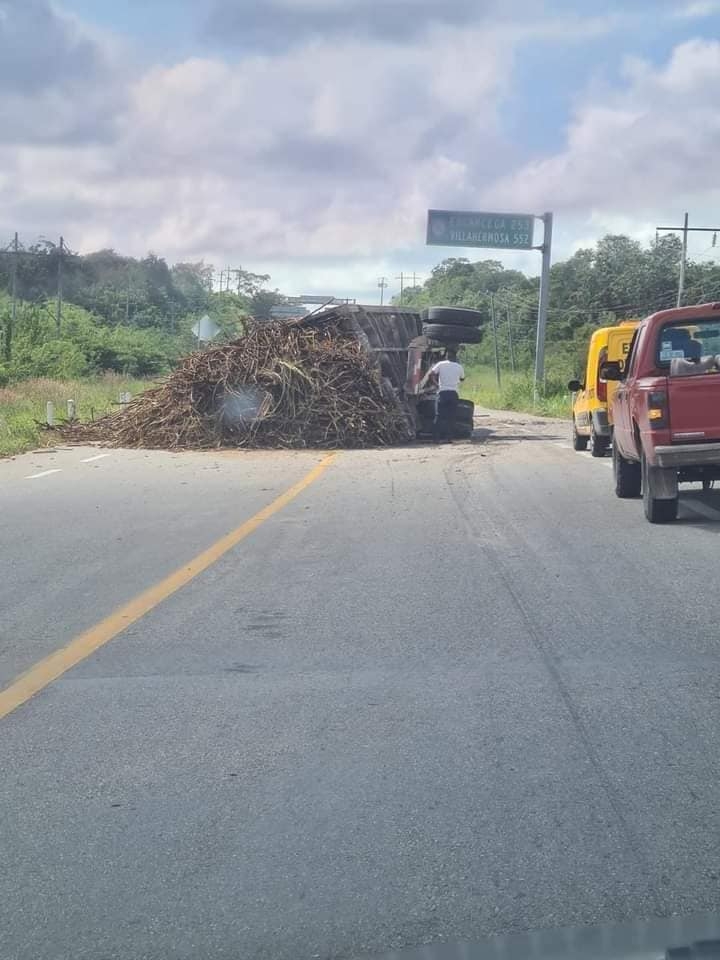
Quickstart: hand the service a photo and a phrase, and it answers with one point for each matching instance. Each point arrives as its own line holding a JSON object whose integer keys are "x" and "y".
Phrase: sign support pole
{"x": 546, "y": 249}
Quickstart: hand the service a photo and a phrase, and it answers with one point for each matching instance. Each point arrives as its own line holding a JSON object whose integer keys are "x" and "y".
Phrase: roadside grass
{"x": 515, "y": 393}
{"x": 23, "y": 404}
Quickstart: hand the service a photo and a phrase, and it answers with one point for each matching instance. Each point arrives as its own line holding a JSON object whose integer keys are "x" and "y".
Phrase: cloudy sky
{"x": 308, "y": 138}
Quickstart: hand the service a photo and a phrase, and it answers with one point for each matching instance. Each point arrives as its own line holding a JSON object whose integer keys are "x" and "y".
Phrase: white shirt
{"x": 449, "y": 374}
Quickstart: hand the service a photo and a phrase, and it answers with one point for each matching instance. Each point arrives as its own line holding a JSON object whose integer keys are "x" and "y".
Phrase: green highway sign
{"x": 462, "y": 228}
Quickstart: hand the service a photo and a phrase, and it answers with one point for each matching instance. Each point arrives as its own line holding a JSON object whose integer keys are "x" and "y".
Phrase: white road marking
{"x": 45, "y": 473}
{"x": 702, "y": 509}
{"x": 100, "y": 456}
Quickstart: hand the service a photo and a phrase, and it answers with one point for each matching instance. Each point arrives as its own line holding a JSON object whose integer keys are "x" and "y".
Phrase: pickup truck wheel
{"x": 656, "y": 511}
{"x": 578, "y": 441}
{"x": 628, "y": 478}
{"x": 600, "y": 445}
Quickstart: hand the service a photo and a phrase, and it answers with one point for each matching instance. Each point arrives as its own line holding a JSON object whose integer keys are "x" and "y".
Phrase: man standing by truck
{"x": 448, "y": 374}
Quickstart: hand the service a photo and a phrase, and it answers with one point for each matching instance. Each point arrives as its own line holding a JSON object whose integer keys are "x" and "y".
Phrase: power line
{"x": 685, "y": 229}
{"x": 406, "y": 276}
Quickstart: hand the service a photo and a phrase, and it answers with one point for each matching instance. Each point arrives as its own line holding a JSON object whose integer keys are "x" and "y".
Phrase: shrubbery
{"x": 84, "y": 347}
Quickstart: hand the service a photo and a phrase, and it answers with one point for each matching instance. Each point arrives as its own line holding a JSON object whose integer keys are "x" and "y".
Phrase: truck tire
{"x": 579, "y": 442}
{"x": 628, "y": 478}
{"x": 656, "y": 511}
{"x": 425, "y": 428}
{"x": 465, "y": 411}
{"x": 463, "y": 431}
{"x": 459, "y": 316}
{"x": 600, "y": 445}
{"x": 452, "y": 333}
{"x": 427, "y": 407}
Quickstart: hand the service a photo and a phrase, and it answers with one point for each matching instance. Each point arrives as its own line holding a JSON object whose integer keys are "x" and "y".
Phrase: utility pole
{"x": 546, "y": 249}
{"x": 495, "y": 339}
{"x": 685, "y": 230}
{"x": 510, "y": 339}
{"x": 58, "y": 316}
{"x": 683, "y": 261}
{"x": 127, "y": 298}
{"x": 402, "y": 278}
{"x": 10, "y": 330}
{"x": 383, "y": 284}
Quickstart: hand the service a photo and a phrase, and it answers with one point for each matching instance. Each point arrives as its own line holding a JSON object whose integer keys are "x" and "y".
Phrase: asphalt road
{"x": 443, "y": 693}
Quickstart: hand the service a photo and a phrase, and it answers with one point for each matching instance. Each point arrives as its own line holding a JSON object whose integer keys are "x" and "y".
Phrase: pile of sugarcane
{"x": 280, "y": 385}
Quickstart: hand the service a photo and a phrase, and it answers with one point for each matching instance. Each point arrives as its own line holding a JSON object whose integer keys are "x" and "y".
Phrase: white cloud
{"x": 651, "y": 145}
{"x": 320, "y": 161}
{"x": 332, "y": 147}
{"x": 58, "y": 84}
{"x": 696, "y": 10}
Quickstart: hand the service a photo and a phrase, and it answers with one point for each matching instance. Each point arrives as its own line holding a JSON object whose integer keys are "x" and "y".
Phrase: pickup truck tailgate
{"x": 694, "y": 408}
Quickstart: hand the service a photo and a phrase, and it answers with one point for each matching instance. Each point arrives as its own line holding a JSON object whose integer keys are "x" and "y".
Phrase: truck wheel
{"x": 465, "y": 411}
{"x": 459, "y": 316}
{"x": 463, "y": 431}
{"x": 628, "y": 478}
{"x": 600, "y": 445}
{"x": 656, "y": 511}
{"x": 578, "y": 441}
{"x": 452, "y": 333}
{"x": 426, "y": 408}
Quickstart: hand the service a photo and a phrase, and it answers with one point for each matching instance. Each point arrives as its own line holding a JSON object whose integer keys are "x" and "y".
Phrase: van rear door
{"x": 619, "y": 340}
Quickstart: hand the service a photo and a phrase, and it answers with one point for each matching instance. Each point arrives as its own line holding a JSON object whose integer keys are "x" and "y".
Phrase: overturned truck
{"x": 350, "y": 376}
{"x": 405, "y": 343}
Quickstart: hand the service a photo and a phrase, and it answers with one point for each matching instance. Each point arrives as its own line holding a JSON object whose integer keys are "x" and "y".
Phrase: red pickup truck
{"x": 666, "y": 409}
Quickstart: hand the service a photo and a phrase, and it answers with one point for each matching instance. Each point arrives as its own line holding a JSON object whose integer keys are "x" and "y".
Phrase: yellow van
{"x": 592, "y": 398}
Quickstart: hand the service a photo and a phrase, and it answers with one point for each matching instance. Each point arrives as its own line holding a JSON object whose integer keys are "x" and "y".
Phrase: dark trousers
{"x": 445, "y": 413}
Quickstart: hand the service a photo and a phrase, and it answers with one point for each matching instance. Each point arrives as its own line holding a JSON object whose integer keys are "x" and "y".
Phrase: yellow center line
{"x": 56, "y": 664}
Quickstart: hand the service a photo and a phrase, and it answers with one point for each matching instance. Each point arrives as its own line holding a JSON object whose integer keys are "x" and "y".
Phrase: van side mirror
{"x": 611, "y": 370}
{"x": 575, "y": 386}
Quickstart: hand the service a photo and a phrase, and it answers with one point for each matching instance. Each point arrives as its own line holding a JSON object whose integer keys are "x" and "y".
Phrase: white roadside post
{"x": 50, "y": 413}
{"x": 71, "y": 409}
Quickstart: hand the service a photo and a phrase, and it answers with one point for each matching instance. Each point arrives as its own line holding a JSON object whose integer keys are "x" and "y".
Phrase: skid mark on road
{"x": 79, "y": 649}
{"x": 501, "y": 533}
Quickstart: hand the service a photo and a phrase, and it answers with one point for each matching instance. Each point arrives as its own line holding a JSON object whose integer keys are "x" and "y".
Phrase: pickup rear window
{"x": 688, "y": 341}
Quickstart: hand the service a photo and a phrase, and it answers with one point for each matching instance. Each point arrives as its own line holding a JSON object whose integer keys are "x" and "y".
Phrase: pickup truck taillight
{"x": 657, "y": 409}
